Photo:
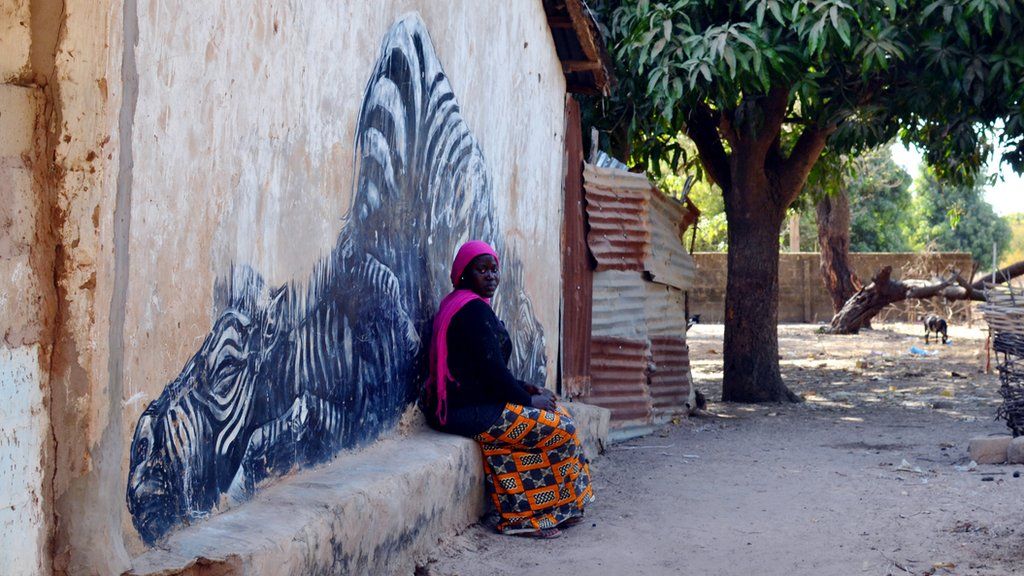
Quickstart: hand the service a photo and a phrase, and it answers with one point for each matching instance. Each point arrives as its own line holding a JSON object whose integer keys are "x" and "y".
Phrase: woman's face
{"x": 482, "y": 276}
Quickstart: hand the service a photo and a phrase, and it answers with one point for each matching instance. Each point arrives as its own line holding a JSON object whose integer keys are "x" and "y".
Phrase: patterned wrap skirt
{"x": 537, "y": 475}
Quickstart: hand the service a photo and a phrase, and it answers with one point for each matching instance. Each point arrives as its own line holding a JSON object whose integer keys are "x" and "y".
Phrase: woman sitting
{"x": 537, "y": 476}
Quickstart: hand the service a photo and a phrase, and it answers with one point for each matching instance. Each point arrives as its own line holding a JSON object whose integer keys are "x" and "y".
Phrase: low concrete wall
{"x": 379, "y": 511}
{"x": 374, "y": 512}
{"x": 802, "y": 296}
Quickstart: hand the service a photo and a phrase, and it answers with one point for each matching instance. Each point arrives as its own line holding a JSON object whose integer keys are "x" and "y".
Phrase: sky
{"x": 1007, "y": 194}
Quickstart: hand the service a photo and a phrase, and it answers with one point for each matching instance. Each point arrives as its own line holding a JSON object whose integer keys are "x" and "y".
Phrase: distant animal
{"x": 700, "y": 400}
{"x": 695, "y": 319}
{"x": 935, "y": 324}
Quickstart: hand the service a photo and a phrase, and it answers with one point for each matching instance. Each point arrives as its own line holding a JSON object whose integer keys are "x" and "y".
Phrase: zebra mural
{"x": 291, "y": 374}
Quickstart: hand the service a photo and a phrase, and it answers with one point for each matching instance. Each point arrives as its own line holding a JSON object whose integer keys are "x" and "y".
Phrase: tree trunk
{"x": 758, "y": 184}
{"x": 867, "y": 302}
{"x": 834, "y": 246}
{"x": 751, "y": 349}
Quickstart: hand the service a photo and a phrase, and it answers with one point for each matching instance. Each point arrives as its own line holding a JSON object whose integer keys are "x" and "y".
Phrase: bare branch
{"x": 883, "y": 290}
{"x": 1002, "y": 275}
{"x": 773, "y": 105}
{"x": 701, "y": 127}
{"x": 794, "y": 170}
{"x": 726, "y": 129}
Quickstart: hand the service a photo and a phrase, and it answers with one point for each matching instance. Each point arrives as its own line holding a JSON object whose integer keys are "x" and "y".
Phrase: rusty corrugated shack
{"x": 637, "y": 271}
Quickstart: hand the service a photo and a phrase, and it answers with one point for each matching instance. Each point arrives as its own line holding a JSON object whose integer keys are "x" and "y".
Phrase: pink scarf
{"x": 450, "y": 305}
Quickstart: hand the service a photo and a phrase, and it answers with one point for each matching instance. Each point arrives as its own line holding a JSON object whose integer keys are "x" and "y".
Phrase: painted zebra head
{"x": 189, "y": 441}
{"x": 529, "y": 359}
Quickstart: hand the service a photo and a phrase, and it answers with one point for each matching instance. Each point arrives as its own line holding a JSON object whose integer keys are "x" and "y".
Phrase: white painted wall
{"x": 24, "y": 433}
{"x": 15, "y": 39}
{"x": 243, "y": 147}
{"x": 24, "y": 303}
{"x": 240, "y": 150}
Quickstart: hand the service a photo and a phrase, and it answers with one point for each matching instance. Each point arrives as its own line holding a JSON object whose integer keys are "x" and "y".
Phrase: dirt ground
{"x": 869, "y": 476}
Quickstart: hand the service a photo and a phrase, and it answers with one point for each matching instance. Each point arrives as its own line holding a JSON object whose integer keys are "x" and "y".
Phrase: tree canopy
{"x": 763, "y": 87}
{"x": 1015, "y": 251}
{"x": 880, "y": 204}
{"x": 936, "y": 73}
{"x": 952, "y": 217}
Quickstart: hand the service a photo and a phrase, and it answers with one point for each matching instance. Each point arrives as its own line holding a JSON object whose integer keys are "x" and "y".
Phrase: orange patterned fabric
{"x": 537, "y": 475}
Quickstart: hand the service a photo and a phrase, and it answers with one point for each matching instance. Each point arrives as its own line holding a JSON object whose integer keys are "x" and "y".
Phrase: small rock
{"x": 942, "y": 405}
{"x": 1015, "y": 453}
{"x": 987, "y": 478}
{"x": 969, "y": 467}
{"x": 989, "y": 449}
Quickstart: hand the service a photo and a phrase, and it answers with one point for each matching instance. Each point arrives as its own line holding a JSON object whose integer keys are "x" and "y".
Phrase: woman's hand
{"x": 543, "y": 401}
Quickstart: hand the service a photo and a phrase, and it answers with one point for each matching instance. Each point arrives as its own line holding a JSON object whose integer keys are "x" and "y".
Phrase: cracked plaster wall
{"x": 179, "y": 137}
{"x": 27, "y": 302}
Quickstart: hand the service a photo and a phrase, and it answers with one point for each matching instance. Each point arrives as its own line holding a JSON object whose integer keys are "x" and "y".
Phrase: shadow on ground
{"x": 868, "y": 476}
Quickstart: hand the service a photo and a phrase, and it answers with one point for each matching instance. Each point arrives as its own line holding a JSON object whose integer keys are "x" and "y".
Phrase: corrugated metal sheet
{"x": 670, "y": 380}
{"x": 639, "y": 361}
{"x": 633, "y": 226}
{"x": 667, "y": 260}
{"x": 577, "y": 278}
{"x": 618, "y": 371}
{"x": 664, "y": 310}
{"x": 619, "y": 305}
{"x": 616, "y": 212}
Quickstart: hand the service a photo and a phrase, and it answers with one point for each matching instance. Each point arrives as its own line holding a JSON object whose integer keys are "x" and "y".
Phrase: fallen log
{"x": 867, "y": 302}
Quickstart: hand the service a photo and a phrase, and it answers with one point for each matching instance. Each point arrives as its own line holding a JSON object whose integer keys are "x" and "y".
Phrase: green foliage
{"x": 712, "y": 232}
{"x": 880, "y": 202}
{"x": 937, "y": 205}
{"x": 936, "y": 73}
{"x": 884, "y": 215}
{"x": 1015, "y": 251}
{"x": 808, "y": 230}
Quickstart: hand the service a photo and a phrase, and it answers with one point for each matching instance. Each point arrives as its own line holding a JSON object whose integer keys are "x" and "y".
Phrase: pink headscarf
{"x": 452, "y": 303}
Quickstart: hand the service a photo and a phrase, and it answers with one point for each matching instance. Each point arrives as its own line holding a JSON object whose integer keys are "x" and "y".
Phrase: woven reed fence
{"x": 1004, "y": 313}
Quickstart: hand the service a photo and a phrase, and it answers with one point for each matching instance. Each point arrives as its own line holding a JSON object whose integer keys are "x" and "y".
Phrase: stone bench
{"x": 376, "y": 511}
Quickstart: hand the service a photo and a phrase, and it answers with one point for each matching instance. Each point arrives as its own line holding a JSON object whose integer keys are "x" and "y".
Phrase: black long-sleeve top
{"x": 479, "y": 348}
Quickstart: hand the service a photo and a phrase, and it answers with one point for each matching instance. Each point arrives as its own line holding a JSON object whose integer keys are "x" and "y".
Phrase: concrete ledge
{"x": 376, "y": 511}
{"x": 629, "y": 433}
{"x": 371, "y": 512}
{"x": 592, "y": 425}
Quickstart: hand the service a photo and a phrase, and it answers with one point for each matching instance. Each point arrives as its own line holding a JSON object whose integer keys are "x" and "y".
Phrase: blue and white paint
{"x": 289, "y": 375}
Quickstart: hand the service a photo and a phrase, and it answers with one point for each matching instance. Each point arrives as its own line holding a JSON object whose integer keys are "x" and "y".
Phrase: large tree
{"x": 863, "y": 207}
{"x": 880, "y": 204}
{"x": 957, "y": 218}
{"x": 763, "y": 87}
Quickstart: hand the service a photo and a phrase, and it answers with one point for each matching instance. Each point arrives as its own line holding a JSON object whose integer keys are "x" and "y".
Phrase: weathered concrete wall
{"x": 24, "y": 438}
{"x": 27, "y": 303}
{"x": 802, "y": 296}
{"x": 15, "y": 39}
{"x": 186, "y": 141}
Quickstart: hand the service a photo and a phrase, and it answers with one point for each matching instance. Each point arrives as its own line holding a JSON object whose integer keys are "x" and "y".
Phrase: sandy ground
{"x": 818, "y": 488}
